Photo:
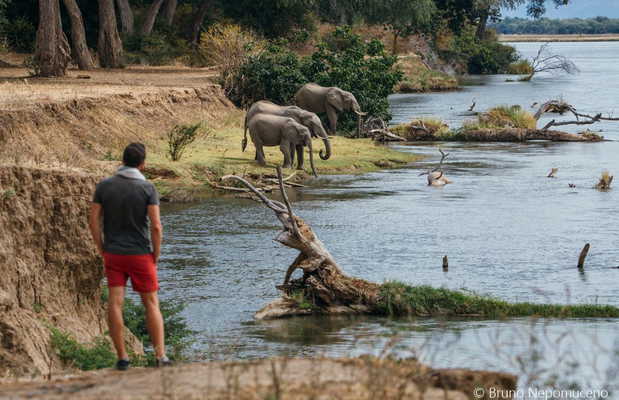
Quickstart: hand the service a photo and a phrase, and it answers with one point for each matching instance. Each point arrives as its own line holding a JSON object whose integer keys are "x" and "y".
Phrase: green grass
{"x": 418, "y": 78}
{"x": 397, "y": 298}
{"x": 96, "y": 355}
{"x": 437, "y": 127}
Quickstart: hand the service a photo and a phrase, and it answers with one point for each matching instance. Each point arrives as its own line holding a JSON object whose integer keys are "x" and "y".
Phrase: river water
{"x": 508, "y": 230}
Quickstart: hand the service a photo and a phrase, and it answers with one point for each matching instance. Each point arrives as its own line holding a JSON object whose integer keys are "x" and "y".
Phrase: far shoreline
{"x": 612, "y": 37}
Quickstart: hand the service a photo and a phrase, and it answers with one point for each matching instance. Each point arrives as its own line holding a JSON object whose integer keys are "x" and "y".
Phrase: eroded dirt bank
{"x": 50, "y": 274}
{"x": 344, "y": 379}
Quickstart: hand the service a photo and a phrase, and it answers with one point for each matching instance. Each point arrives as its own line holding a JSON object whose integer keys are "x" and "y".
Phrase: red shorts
{"x": 140, "y": 268}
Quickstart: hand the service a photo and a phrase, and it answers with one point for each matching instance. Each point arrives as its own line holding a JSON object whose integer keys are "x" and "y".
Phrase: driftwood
{"x": 561, "y": 107}
{"x": 552, "y": 173}
{"x": 376, "y": 129}
{"x": 261, "y": 183}
{"x": 323, "y": 283}
{"x": 436, "y": 176}
{"x": 524, "y": 135}
{"x": 605, "y": 181}
{"x": 583, "y": 255}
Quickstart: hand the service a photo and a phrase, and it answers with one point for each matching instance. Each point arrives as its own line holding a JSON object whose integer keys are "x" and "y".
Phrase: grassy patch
{"x": 218, "y": 154}
{"x": 397, "y": 298}
{"x": 436, "y": 130}
{"x": 85, "y": 357}
{"x": 503, "y": 117}
{"x": 418, "y": 78}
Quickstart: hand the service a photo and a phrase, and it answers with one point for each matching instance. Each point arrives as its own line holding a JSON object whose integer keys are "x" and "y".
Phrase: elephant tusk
{"x": 361, "y": 114}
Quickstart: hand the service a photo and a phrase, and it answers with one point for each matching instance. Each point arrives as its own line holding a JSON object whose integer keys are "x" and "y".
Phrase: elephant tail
{"x": 244, "y": 141}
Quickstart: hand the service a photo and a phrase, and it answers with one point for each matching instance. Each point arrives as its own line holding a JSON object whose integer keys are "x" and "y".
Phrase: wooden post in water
{"x": 583, "y": 255}
{"x": 445, "y": 264}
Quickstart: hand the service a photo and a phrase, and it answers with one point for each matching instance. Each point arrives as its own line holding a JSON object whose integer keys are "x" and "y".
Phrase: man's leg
{"x": 115, "y": 320}
{"x": 154, "y": 322}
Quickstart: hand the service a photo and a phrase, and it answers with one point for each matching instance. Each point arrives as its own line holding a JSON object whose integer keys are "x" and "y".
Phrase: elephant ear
{"x": 334, "y": 99}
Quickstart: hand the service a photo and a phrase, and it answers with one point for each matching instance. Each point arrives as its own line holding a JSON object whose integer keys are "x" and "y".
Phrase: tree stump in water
{"x": 323, "y": 287}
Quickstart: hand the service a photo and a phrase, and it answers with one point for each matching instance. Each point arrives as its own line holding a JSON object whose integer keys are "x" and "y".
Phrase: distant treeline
{"x": 598, "y": 25}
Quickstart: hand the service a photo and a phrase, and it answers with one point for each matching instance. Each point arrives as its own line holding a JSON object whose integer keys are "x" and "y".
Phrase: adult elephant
{"x": 304, "y": 117}
{"x": 330, "y": 100}
{"x": 285, "y": 132}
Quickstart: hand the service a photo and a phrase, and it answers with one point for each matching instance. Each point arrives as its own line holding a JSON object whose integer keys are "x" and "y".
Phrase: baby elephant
{"x": 285, "y": 132}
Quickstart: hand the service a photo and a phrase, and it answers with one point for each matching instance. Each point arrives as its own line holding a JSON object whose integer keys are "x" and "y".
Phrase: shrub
{"x": 227, "y": 47}
{"x": 522, "y": 67}
{"x": 180, "y": 137}
{"x": 20, "y": 35}
{"x": 85, "y": 357}
{"x": 178, "y": 336}
{"x": 157, "y": 48}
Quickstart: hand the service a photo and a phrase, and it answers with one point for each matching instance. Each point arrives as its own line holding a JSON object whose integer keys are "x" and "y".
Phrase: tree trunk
{"x": 52, "y": 54}
{"x": 78, "y": 36}
{"x": 169, "y": 11}
{"x": 323, "y": 283}
{"x": 110, "y": 47}
{"x": 196, "y": 27}
{"x": 394, "y": 45}
{"x": 483, "y": 23}
{"x": 126, "y": 16}
{"x": 151, "y": 16}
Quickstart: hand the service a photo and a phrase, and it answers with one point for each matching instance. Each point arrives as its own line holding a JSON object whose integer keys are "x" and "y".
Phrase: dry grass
{"x": 419, "y": 78}
{"x": 502, "y": 117}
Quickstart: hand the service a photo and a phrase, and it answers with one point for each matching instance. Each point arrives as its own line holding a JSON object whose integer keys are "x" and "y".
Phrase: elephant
{"x": 332, "y": 100}
{"x": 304, "y": 117}
{"x": 285, "y": 132}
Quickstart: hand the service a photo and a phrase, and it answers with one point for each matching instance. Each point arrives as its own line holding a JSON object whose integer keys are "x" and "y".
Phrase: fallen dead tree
{"x": 561, "y": 107}
{"x": 262, "y": 182}
{"x": 524, "y": 135}
{"x": 376, "y": 129}
{"x": 436, "y": 176}
{"x": 324, "y": 288}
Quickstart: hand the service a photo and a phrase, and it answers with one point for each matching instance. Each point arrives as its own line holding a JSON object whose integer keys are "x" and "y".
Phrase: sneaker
{"x": 122, "y": 365}
{"x": 163, "y": 362}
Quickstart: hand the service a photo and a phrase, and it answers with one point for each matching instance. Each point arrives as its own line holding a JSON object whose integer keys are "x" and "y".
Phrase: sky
{"x": 576, "y": 9}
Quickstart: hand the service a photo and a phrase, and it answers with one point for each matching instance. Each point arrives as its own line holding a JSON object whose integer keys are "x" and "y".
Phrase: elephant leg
{"x": 292, "y": 154}
{"x": 332, "y": 116}
{"x": 299, "y": 149}
{"x": 260, "y": 154}
{"x": 285, "y": 148}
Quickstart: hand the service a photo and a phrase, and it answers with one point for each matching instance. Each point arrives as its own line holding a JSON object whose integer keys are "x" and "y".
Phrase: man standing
{"x": 127, "y": 201}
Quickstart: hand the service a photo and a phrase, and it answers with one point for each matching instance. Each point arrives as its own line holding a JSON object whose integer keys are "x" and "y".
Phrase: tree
{"x": 169, "y": 11}
{"x": 110, "y": 46}
{"x": 196, "y": 26}
{"x": 126, "y": 16}
{"x": 546, "y": 61}
{"x": 52, "y": 54}
{"x": 401, "y": 17}
{"x": 150, "y": 17}
{"x": 78, "y": 36}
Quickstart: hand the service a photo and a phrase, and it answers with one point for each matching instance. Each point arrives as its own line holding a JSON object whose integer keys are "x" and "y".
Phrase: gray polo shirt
{"x": 125, "y": 204}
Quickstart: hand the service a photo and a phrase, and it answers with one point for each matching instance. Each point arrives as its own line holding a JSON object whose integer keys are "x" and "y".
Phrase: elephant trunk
{"x": 311, "y": 157}
{"x": 322, "y": 154}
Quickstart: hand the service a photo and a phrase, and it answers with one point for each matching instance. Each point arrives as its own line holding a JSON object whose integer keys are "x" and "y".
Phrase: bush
{"x": 20, "y": 35}
{"x": 85, "y": 357}
{"x": 342, "y": 59}
{"x": 486, "y": 56}
{"x": 178, "y": 336}
{"x": 155, "y": 49}
{"x": 522, "y": 67}
{"x": 227, "y": 47}
{"x": 180, "y": 137}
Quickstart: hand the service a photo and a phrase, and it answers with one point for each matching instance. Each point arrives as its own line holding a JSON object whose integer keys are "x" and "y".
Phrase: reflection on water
{"x": 508, "y": 230}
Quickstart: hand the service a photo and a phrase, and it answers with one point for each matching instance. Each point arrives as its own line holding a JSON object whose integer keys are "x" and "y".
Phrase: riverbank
{"x": 83, "y": 123}
{"x": 611, "y": 37}
{"x": 419, "y": 77}
{"x": 279, "y": 378}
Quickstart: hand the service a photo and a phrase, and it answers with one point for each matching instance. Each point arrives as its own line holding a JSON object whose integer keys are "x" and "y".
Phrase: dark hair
{"x": 134, "y": 155}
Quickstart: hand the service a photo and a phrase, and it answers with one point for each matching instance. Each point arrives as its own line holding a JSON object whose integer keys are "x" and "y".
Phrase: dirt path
{"x": 360, "y": 378}
{"x": 18, "y": 90}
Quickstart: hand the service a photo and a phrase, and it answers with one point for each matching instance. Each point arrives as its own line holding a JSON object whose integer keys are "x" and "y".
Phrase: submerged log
{"x": 523, "y": 135}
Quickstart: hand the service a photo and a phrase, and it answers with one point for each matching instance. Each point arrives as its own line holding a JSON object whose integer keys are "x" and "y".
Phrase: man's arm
{"x": 95, "y": 226}
{"x": 156, "y": 230}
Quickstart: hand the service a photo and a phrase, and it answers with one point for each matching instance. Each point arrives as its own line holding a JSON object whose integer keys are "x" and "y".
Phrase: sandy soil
{"x": 559, "y": 38}
{"x": 344, "y": 379}
{"x": 18, "y": 89}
